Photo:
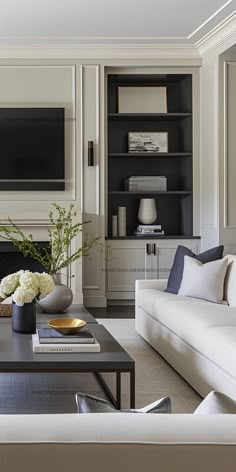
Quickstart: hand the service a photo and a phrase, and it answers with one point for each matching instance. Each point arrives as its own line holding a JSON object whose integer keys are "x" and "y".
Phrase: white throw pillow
{"x": 216, "y": 403}
{"x": 204, "y": 281}
{"x": 230, "y": 281}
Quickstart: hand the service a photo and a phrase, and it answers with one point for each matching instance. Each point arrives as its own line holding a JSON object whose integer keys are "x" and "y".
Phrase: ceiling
{"x": 110, "y": 21}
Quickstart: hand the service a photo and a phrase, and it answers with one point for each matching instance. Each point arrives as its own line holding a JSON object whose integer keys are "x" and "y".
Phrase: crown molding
{"x": 208, "y": 20}
{"x": 89, "y": 52}
{"x": 218, "y": 35}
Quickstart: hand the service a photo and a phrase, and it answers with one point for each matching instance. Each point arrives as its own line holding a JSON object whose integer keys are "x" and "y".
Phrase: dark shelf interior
{"x": 174, "y": 207}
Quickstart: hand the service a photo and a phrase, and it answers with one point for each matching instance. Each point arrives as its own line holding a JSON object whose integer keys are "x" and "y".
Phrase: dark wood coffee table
{"x": 16, "y": 355}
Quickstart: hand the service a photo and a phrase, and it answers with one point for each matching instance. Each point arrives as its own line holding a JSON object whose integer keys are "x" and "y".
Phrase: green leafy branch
{"x": 61, "y": 232}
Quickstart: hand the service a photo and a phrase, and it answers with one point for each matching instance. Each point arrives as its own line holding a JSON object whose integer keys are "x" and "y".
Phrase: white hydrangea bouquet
{"x": 25, "y": 286}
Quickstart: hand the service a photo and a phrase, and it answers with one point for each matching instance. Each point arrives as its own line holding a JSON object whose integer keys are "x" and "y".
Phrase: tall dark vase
{"x": 24, "y": 317}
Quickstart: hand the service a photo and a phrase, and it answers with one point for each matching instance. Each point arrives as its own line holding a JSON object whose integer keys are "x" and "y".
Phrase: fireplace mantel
{"x": 38, "y": 228}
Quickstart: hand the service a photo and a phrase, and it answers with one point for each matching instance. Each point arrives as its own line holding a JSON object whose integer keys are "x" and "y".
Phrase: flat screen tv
{"x": 32, "y": 149}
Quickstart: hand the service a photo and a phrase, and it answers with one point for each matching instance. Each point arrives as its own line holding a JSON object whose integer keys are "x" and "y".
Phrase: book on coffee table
{"x": 39, "y": 347}
{"x": 51, "y": 336}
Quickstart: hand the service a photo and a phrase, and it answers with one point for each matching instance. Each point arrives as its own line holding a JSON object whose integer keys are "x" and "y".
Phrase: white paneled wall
{"x": 228, "y": 154}
{"x": 217, "y": 177}
{"x": 92, "y": 208}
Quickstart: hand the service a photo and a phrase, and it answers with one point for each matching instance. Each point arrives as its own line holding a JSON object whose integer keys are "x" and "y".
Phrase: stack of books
{"x": 48, "y": 340}
{"x": 149, "y": 230}
{"x": 147, "y": 183}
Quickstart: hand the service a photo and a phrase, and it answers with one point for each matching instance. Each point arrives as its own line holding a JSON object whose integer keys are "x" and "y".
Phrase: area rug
{"x": 155, "y": 378}
{"x": 55, "y": 393}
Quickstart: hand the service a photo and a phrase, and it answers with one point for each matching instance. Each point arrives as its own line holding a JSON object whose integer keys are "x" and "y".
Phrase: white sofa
{"x": 197, "y": 337}
{"x": 117, "y": 442}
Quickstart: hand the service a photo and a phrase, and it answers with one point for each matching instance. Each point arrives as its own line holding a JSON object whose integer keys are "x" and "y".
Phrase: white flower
{"x": 46, "y": 285}
{"x": 9, "y": 283}
{"x": 25, "y": 286}
{"x": 23, "y": 295}
{"x": 30, "y": 280}
{"x": 2, "y": 295}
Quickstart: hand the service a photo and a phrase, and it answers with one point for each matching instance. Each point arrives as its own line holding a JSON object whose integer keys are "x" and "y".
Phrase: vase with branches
{"x": 58, "y": 254}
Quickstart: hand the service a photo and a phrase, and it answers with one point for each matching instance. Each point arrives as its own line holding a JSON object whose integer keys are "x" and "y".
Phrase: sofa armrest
{"x": 156, "y": 284}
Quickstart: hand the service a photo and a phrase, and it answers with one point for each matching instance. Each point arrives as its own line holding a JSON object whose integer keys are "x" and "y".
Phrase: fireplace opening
{"x": 11, "y": 260}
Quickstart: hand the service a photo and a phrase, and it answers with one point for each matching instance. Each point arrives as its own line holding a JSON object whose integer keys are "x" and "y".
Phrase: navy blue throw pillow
{"x": 176, "y": 273}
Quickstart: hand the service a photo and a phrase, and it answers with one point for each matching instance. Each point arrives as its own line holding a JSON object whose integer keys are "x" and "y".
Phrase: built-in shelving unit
{"x": 174, "y": 207}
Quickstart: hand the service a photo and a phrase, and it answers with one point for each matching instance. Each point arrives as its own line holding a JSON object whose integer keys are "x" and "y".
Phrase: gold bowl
{"x": 66, "y": 325}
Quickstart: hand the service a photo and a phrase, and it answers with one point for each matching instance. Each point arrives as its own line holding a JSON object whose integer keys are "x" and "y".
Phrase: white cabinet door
{"x": 127, "y": 263}
{"x": 130, "y": 260}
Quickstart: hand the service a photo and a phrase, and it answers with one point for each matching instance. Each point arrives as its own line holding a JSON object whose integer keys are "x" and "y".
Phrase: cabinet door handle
{"x": 154, "y": 249}
{"x": 148, "y": 249}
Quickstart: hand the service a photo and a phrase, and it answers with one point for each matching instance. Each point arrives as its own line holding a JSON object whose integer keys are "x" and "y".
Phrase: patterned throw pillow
{"x": 90, "y": 404}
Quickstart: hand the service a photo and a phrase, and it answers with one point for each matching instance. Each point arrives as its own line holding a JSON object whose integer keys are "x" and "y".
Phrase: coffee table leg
{"x": 132, "y": 388}
{"x": 118, "y": 390}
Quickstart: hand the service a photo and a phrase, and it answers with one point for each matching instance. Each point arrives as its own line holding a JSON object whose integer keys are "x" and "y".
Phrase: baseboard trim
{"x": 98, "y": 302}
{"x": 120, "y": 302}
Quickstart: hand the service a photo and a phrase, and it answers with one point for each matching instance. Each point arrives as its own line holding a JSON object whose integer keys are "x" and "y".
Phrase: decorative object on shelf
{"x": 147, "y": 142}
{"x": 145, "y": 99}
{"x": 149, "y": 230}
{"x": 122, "y": 221}
{"x": 146, "y": 183}
{"x": 114, "y": 225}
{"x": 147, "y": 213}
{"x": 25, "y": 287}
{"x": 57, "y": 255}
{"x": 90, "y": 153}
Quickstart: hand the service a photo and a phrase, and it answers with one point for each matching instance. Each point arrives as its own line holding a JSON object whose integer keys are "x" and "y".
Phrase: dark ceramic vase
{"x": 24, "y": 317}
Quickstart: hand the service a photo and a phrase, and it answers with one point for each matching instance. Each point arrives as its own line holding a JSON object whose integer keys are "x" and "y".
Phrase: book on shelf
{"x": 63, "y": 348}
{"x": 154, "y": 234}
{"x": 147, "y": 177}
{"x": 149, "y": 230}
{"x": 149, "y": 227}
{"x": 51, "y": 336}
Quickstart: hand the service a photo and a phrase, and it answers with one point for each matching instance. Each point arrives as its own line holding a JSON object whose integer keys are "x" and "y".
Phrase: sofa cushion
{"x": 209, "y": 328}
{"x": 90, "y": 404}
{"x": 230, "y": 281}
{"x": 204, "y": 281}
{"x": 216, "y": 403}
{"x": 176, "y": 272}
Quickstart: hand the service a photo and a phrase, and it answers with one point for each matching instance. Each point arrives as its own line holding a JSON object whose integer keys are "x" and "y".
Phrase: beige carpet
{"x": 155, "y": 378}
{"x": 55, "y": 393}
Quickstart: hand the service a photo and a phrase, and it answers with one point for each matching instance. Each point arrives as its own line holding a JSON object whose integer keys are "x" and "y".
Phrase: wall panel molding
{"x": 229, "y": 145}
{"x": 37, "y": 85}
